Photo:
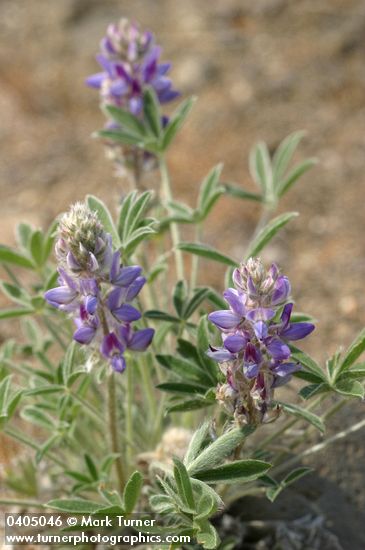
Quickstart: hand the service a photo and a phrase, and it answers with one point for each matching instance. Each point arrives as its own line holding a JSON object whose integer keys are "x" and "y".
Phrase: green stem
{"x": 94, "y": 413}
{"x": 195, "y": 260}
{"x": 113, "y": 429}
{"x": 175, "y": 235}
{"x": 129, "y": 413}
{"x": 145, "y": 368}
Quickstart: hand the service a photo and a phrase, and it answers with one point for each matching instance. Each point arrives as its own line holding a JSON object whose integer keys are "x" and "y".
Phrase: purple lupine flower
{"x": 129, "y": 59}
{"x": 130, "y": 62}
{"x": 256, "y": 330}
{"x": 96, "y": 289}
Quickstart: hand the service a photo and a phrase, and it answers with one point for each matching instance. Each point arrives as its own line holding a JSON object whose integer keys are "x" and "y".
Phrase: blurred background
{"x": 262, "y": 70}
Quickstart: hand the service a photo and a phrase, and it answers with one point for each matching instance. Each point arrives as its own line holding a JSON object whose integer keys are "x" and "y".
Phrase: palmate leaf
{"x": 96, "y": 205}
{"x": 176, "y": 121}
{"x": 190, "y": 405}
{"x": 239, "y": 193}
{"x": 217, "y": 451}
{"x": 351, "y": 388}
{"x": 294, "y": 175}
{"x": 75, "y": 506}
{"x": 152, "y": 111}
{"x": 9, "y": 256}
{"x": 210, "y": 190}
{"x": 261, "y": 170}
{"x": 268, "y": 232}
{"x": 284, "y": 153}
{"x": 239, "y": 471}
{"x": 196, "y": 443}
{"x": 179, "y": 297}
{"x": 304, "y": 414}
{"x": 15, "y": 312}
{"x": 308, "y": 363}
{"x": 273, "y": 492}
{"x": 200, "y": 294}
{"x": 131, "y": 123}
{"x": 208, "y": 252}
{"x": 314, "y": 389}
{"x": 8, "y": 400}
{"x": 132, "y": 491}
{"x": 183, "y": 483}
{"x": 185, "y": 369}
{"x": 353, "y": 353}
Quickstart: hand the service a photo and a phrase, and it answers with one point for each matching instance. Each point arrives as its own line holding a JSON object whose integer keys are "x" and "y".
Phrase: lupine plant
{"x": 116, "y": 342}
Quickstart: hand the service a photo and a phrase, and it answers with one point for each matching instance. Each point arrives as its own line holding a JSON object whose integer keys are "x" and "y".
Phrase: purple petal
{"x": 278, "y": 349}
{"x": 135, "y": 105}
{"x": 284, "y": 369}
{"x": 163, "y": 68}
{"x": 297, "y": 331}
{"x": 67, "y": 279}
{"x": 118, "y": 88}
{"x": 84, "y": 335}
{"x": 141, "y": 339}
{"x": 236, "y": 300}
{"x": 220, "y": 355}
{"x": 72, "y": 262}
{"x": 260, "y": 329}
{"x": 134, "y": 289}
{"x": 281, "y": 381}
{"x": 251, "y": 371}
{"x": 114, "y": 298}
{"x": 126, "y": 313}
{"x": 127, "y": 275}
{"x": 224, "y": 319}
{"x": 91, "y": 303}
{"x": 109, "y": 344}
{"x": 282, "y": 290}
{"x": 251, "y": 286}
{"x": 60, "y": 295}
{"x": 114, "y": 268}
{"x": 95, "y": 80}
{"x": 285, "y": 316}
{"x": 235, "y": 343}
{"x": 252, "y": 354}
{"x": 260, "y": 314}
{"x": 168, "y": 95}
{"x": 105, "y": 64}
{"x": 118, "y": 363}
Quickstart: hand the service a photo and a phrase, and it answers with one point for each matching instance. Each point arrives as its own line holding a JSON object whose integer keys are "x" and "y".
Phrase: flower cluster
{"x": 255, "y": 356}
{"x": 96, "y": 289}
{"x": 129, "y": 59}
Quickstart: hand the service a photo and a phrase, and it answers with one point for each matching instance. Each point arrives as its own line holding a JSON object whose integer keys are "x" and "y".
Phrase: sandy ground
{"x": 261, "y": 70}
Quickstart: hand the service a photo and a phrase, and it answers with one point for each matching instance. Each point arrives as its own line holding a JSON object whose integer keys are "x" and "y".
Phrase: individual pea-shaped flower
{"x": 96, "y": 289}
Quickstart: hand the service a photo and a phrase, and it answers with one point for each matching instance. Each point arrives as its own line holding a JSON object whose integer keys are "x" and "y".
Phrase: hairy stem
{"x": 113, "y": 429}
{"x": 195, "y": 260}
{"x": 175, "y": 235}
{"x": 129, "y": 414}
